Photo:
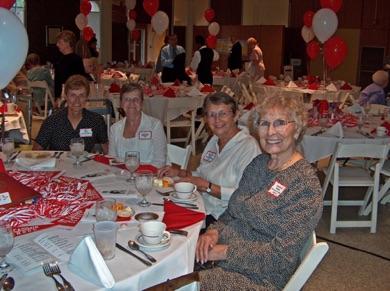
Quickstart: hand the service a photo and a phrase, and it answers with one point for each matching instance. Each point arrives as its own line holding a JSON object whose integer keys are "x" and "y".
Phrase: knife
{"x": 130, "y": 253}
{"x": 2, "y": 280}
{"x": 14, "y": 157}
{"x": 185, "y": 206}
{"x": 179, "y": 232}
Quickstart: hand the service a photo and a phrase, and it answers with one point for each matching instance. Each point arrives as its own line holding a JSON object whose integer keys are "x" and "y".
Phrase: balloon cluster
{"x": 82, "y": 20}
{"x": 214, "y": 28}
{"x": 323, "y": 24}
{"x": 160, "y": 20}
{"x": 131, "y": 16}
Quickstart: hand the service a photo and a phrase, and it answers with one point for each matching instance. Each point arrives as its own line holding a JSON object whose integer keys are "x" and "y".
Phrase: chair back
{"x": 179, "y": 156}
{"x": 102, "y": 107}
{"x": 25, "y": 104}
{"x": 311, "y": 255}
{"x": 48, "y": 95}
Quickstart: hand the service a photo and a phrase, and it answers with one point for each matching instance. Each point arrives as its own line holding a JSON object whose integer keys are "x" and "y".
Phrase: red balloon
{"x": 335, "y": 51}
{"x": 135, "y": 34}
{"x": 211, "y": 41}
{"x": 335, "y": 5}
{"x": 313, "y": 49}
{"x": 132, "y": 14}
{"x": 85, "y": 7}
{"x": 209, "y": 14}
{"x": 308, "y": 18}
{"x": 151, "y": 6}
{"x": 7, "y": 4}
{"x": 88, "y": 33}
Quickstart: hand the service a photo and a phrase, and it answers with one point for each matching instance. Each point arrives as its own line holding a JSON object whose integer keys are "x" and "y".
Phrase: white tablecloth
{"x": 129, "y": 273}
{"x": 16, "y": 127}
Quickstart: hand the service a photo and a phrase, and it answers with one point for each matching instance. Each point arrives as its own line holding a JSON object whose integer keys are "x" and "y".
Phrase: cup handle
{"x": 386, "y": 131}
{"x": 195, "y": 188}
{"x": 166, "y": 236}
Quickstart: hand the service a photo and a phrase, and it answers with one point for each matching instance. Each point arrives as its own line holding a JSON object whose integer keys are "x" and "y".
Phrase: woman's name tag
{"x": 85, "y": 132}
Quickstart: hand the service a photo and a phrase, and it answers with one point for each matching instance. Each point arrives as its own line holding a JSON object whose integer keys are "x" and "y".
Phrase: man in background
{"x": 168, "y": 56}
{"x": 235, "y": 54}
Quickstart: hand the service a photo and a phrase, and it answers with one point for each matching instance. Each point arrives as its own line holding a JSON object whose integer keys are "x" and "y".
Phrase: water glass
{"x": 132, "y": 163}
{"x": 77, "y": 149}
{"x": 106, "y": 210}
{"x": 144, "y": 184}
{"x": 105, "y": 238}
{"x": 6, "y": 244}
{"x": 360, "y": 120}
{"x": 8, "y": 148}
{"x": 323, "y": 120}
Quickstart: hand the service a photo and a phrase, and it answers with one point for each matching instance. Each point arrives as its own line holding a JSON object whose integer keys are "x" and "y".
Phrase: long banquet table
{"x": 130, "y": 274}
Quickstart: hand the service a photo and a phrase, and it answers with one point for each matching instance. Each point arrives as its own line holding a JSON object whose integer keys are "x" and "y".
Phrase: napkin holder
{"x": 87, "y": 262}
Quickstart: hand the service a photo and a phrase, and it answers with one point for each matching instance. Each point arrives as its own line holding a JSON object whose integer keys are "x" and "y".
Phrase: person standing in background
{"x": 168, "y": 55}
{"x": 159, "y": 66}
{"x": 202, "y": 61}
{"x": 235, "y": 54}
{"x": 256, "y": 66}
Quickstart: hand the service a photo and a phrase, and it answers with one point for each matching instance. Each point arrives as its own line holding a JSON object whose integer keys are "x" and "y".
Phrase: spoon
{"x": 9, "y": 284}
{"x": 133, "y": 245}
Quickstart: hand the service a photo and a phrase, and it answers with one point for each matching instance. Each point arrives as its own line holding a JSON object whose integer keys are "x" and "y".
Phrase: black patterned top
{"x": 269, "y": 218}
{"x": 57, "y": 131}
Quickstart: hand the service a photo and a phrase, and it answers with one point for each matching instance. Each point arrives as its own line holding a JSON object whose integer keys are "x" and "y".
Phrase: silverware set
{"x": 50, "y": 269}
{"x": 366, "y": 134}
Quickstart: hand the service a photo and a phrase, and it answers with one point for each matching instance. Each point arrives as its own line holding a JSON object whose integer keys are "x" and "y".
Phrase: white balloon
{"x": 214, "y": 28}
{"x": 325, "y": 24}
{"x": 160, "y": 22}
{"x": 130, "y": 24}
{"x": 13, "y": 46}
{"x": 130, "y": 4}
{"x": 307, "y": 33}
{"x": 81, "y": 21}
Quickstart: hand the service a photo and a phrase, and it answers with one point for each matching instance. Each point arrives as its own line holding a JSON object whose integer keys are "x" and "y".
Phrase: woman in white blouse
{"x": 137, "y": 131}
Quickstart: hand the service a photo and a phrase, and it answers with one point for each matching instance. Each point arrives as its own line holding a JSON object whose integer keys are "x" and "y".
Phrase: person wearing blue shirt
{"x": 168, "y": 56}
{"x": 374, "y": 93}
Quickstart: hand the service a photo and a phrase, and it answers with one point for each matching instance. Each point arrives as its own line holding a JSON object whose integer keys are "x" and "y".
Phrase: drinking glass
{"x": 360, "y": 120}
{"x": 77, "y": 149}
{"x": 8, "y": 148}
{"x": 144, "y": 184}
{"x": 367, "y": 108}
{"x": 131, "y": 163}
{"x": 323, "y": 120}
{"x": 6, "y": 244}
{"x": 106, "y": 210}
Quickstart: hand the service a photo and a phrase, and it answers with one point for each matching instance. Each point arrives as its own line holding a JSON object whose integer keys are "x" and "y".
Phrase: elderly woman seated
{"x": 223, "y": 160}
{"x": 73, "y": 121}
{"x": 374, "y": 93}
{"x": 137, "y": 131}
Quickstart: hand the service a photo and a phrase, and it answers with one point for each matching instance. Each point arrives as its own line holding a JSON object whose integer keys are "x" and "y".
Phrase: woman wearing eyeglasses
{"x": 137, "y": 131}
{"x": 73, "y": 121}
{"x": 223, "y": 160}
{"x": 257, "y": 241}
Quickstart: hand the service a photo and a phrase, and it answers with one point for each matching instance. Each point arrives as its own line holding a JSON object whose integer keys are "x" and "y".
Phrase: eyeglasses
{"x": 134, "y": 100}
{"x": 278, "y": 124}
{"x": 73, "y": 96}
{"x": 221, "y": 114}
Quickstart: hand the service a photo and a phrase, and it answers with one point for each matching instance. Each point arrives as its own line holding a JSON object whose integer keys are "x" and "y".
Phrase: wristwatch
{"x": 208, "y": 190}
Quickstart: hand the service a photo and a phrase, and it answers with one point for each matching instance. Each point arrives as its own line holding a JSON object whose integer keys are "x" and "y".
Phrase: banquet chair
{"x": 246, "y": 96}
{"x": 227, "y": 90}
{"x": 25, "y": 104}
{"x": 42, "y": 85}
{"x": 310, "y": 256}
{"x": 179, "y": 156}
{"x": 354, "y": 175}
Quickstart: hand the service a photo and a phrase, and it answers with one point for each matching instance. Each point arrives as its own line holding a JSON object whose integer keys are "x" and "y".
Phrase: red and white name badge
{"x": 85, "y": 132}
{"x": 209, "y": 156}
{"x": 145, "y": 135}
{"x": 277, "y": 189}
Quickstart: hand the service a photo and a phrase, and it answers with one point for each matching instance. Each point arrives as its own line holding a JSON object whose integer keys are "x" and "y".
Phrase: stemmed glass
{"x": 367, "y": 107}
{"x": 77, "y": 149}
{"x": 131, "y": 163}
{"x": 8, "y": 148}
{"x": 144, "y": 184}
{"x": 360, "y": 120}
{"x": 323, "y": 120}
{"x": 6, "y": 244}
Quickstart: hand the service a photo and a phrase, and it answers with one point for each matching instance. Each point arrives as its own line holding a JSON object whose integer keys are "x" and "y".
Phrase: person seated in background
{"x": 73, "y": 121}
{"x": 39, "y": 73}
{"x": 257, "y": 241}
{"x": 224, "y": 159}
{"x": 97, "y": 69}
{"x": 92, "y": 44}
{"x": 18, "y": 82}
{"x": 374, "y": 93}
{"x": 88, "y": 68}
{"x": 137, "y": 131}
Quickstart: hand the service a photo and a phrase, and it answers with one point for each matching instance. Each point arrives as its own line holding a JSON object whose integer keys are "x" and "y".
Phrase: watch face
{"x": 208, "y": 190}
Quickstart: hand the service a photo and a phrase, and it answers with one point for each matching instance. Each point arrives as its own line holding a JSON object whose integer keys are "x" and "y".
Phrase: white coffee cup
{"x": 153, "y": 232}
{"x": 381, "y": 131}
{"x": 184, "y": 190}
{"x": 11, "y": 107}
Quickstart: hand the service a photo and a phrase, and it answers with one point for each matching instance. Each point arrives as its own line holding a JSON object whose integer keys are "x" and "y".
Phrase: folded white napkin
{"x": 87, "y": 262}
{"x": 262, "y": 80}
{"x": 336, "y": 130}
{"x": 291, "y": 84}
{"x": 35, "y": 164}
{"x": 331, "y": 87}
{"x": 194, "y": 92}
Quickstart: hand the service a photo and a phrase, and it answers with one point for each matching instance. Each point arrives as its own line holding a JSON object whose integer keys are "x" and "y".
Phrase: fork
{"x": 47, "y": 270}
{"x": 55, "y": 269}
{"x": 165, "y": 193}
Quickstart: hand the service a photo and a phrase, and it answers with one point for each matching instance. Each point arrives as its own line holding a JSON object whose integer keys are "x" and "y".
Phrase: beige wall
{"x": 265, "y": 12}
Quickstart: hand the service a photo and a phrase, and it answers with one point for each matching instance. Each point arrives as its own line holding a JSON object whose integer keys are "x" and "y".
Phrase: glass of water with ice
{"x": 8, "y": 148}
{"x": 77, "y": 149}
{"x": 106, "y": 210}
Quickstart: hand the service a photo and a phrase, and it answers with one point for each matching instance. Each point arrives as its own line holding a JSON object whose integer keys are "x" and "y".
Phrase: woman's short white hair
{"x": 379, "y": 77}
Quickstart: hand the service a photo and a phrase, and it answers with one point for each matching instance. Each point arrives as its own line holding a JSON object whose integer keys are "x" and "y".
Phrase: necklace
{"x": 289, "y": 160}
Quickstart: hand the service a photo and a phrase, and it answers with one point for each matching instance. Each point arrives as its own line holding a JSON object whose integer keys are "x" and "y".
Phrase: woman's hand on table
{"x": 167, "y": 171}
{"x": 205, "y": 247}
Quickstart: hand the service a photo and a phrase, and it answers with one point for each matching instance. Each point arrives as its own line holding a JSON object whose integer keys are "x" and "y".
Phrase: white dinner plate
{"x": 174, "y": 197}
{"x": 140, "y": 241}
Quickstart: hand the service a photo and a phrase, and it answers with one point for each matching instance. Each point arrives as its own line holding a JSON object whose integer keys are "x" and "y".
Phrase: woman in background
{"x": 256, "y": 66}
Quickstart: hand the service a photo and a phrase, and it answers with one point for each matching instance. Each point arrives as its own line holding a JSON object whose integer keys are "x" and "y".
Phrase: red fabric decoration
{"x": 249, "y": 106}
{"x": 177, "y": 83}
{"x": 313, "y": 86}
{"x": 4, "y": 107}
{"x": 177, "y": 217}
{"x": 346, "y": 86}
{"x": 154, "y": 81}
{"x": 323, "y": 106}
{"x": 114, "y": 88}
{"x": 207, "y": 89}
{"x": 269, "y": 82}
{"x": 169, "y": 93}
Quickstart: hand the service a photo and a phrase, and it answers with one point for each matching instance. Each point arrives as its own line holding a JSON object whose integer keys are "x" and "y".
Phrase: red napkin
{"x": 6, "y": 109}
{"x": 154, "y": 81}
{"x": 177, "y": 217}
{"x": 169, "y": 93}
{"x": 207, "y": 88}
{"x": 2, "y": 168}
{"x": 114, "y": 88}
{"x": 120, "y": 219}
{"x": 106, "y": 160}
{"x": 249, "y": 106}
{"x": 384, "y": 124}
{"x": 176, "y": 83}
{"x": 232, "y": 74}
{"x": 323, "y": 106}
{"x": 269, "y": 82}
{"x": 346, "y": 86}
{"x": 117, "y": 75}
{"x": 313, "y": 86}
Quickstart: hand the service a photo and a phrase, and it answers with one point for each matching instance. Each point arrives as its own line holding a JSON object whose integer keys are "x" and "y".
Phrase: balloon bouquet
{"x": 323, "y": 24}
{"x": 82, "y": 20}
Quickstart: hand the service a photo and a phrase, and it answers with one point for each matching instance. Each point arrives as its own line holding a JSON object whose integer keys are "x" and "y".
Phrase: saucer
{"x": 145, "y": 216}
{"x": 174, "y": 197}
{"x": 140, "y": 241}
